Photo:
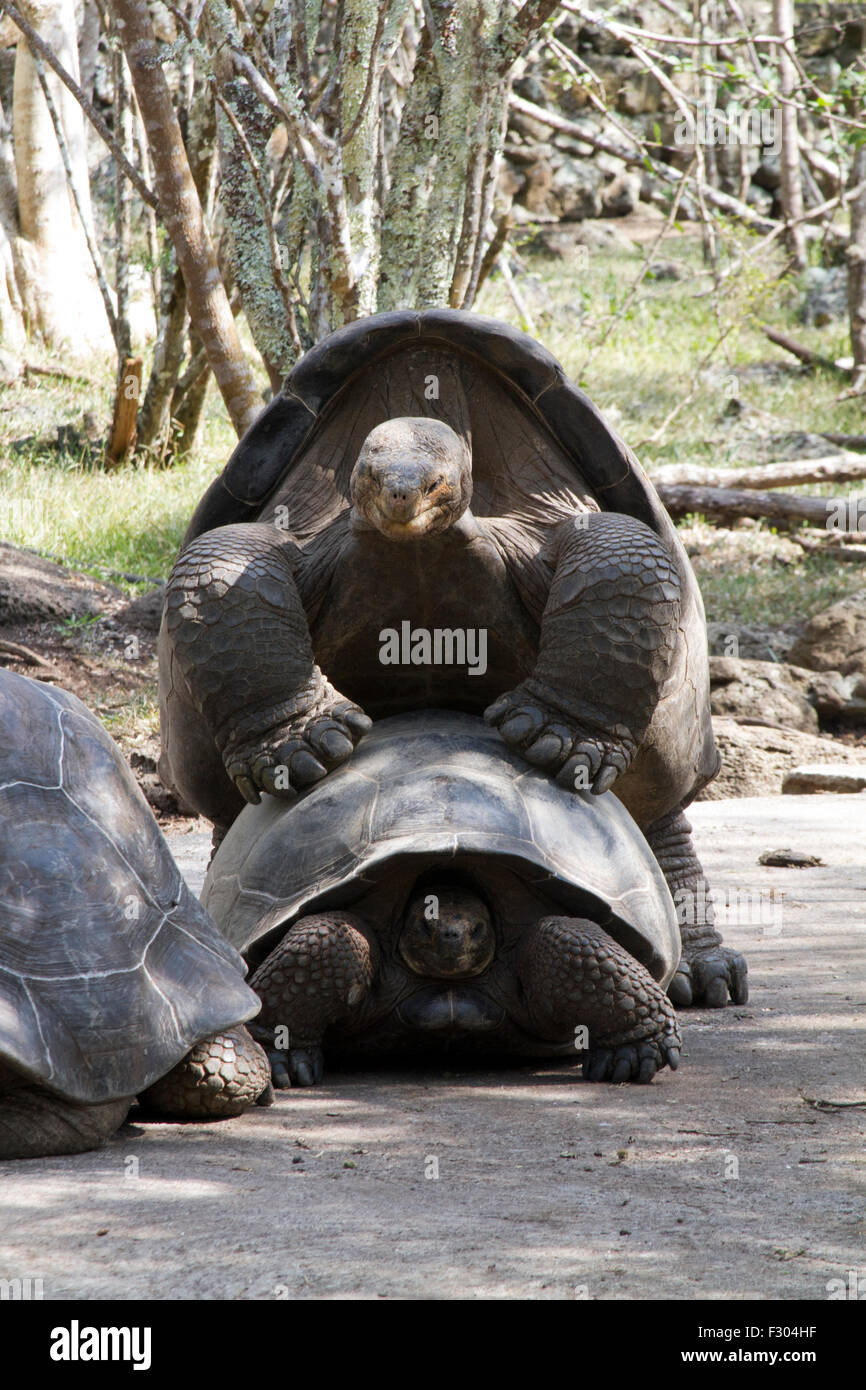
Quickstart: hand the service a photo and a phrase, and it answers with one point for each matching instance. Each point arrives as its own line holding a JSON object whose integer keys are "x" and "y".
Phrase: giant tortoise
{"x": 335, "y": 574}
{"x": 113, "y": 981}
{"x": 437, "y": 893}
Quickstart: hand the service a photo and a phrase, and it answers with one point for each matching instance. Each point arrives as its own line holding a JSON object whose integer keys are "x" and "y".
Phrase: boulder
{"x": 621, "y": 196}
{"x": 749, "y": 643}
{"x": 842, "y": 778}
{"x": 759, "y": 690}
{"x": 756, "y": 760}
{"x": 826, "y": 295}
{"x": 835, "y": 640}
{"x": 575, "y": 192}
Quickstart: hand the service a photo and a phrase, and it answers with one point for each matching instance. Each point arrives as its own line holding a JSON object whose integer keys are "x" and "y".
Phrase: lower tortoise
{"x": 436, "y": 894}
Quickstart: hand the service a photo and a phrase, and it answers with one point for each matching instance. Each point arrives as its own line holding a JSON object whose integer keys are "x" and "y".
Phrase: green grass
{"x": 128, "y": 521}
{"x": 131, "y": 521}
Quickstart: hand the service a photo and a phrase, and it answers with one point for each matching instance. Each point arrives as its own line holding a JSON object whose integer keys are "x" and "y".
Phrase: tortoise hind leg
{"x": 575, "y": 976}
{"x": 242, "y": 698}
{"x": 708, "y": 971}
{"x": 608, "y": 636}
{"x": 222, "y": 1076}
{"x": 36, "y": 1124}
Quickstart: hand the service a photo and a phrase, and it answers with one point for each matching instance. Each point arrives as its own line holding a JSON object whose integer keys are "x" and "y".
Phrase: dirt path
{"x": 721, "y": 1182}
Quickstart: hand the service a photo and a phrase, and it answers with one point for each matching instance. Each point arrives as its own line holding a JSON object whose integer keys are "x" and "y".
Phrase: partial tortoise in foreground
{"x": 436, "y": 895}
{"x": 339, "y": 547}
{"x": 113, "y": 981}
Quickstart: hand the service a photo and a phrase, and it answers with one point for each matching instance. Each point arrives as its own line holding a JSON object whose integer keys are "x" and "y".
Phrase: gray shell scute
{"x": 435, "y": 785}
{"x": 109, "y": 969}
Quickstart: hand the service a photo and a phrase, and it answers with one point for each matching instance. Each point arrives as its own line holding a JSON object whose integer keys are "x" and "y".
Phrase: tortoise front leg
{"x": 236, "y": 656}
{"x": 576, "y": 977}
{"x": 320, "y": 974}
{"x": 608, "y": 636}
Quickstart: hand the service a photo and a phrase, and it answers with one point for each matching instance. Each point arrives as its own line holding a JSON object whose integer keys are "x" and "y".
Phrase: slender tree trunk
{"x": 206, "y": 297}
{"x": 792, "y": 189}
{"x": 55, "y": 278}
{"x": 856, "y": 257}
{"x": 243, "y": 170}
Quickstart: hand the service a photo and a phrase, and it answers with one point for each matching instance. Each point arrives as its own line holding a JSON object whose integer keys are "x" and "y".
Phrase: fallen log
{"x": 845, "y": 441}
{"x": 833, "y": 468}
{"x": 804, "y": 354}
{"x": 776, "y": 506}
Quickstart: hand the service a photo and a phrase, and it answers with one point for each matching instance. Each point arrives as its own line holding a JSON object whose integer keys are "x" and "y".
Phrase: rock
{"x": 829, "y": 777}
{"x": 835, "y": 640}
{"x": 826, "y": 295}
{"x": 768, "y": 174}
{"x": 575, "y": 192}
{"x": 755, "y": 760}
{"x": 561, "y": 240}
{"x": 33, "y": 589}
{"x": 800, "y": 444}
{"x": 790, "y": 859}
{"x": 759, "y": 690}
{"x": 539, "y": 182}
{"x": 665, "y": 270}
{"x": 621, "y": 196}
{"x": 748, "y": 642}
{"x": 821, "y": 27}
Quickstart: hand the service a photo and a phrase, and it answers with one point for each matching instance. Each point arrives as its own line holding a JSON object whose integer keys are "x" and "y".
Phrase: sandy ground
{"x": 729, "y": 1180}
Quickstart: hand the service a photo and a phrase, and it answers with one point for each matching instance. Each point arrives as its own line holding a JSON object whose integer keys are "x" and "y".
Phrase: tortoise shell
{"x": 540, "y": 448}
{"x": 110, "y": 970}
{"x": 435, "y": 788}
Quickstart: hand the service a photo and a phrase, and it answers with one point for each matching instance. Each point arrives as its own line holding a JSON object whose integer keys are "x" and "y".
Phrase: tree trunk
{"x": 206, "y": 297}
{"x": 54, "y": 274}
{"x": 856, "y": 258}
{"x": 792, "y": 189}
{"x": 248, "y": 244}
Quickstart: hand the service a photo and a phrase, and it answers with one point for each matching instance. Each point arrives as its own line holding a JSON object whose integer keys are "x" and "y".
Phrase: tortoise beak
{"x": 399, "y": 499}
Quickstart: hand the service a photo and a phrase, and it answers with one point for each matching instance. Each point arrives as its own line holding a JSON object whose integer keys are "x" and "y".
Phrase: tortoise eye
{"x": 437, "y": 482}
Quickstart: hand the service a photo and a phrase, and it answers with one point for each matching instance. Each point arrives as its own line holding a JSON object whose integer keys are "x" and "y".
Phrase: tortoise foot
{"x": 581, "y": 757}
{"x": 632, "y": 1061}
{"x": 221, "y": 1077}
{"x": 317, "y": 734}
{"x": 296, "y": 1066}
{"x": 707, "y": 978}
{"x": 577, "y": 981}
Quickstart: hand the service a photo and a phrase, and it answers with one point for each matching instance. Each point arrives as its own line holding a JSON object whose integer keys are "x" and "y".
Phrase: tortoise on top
{"x": 430, "y": 515}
